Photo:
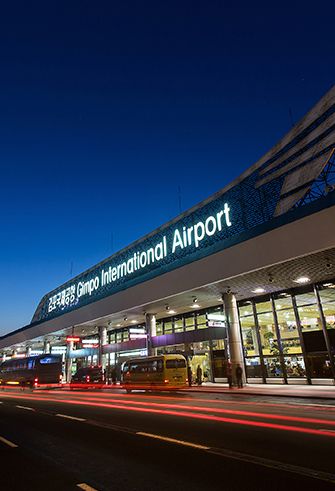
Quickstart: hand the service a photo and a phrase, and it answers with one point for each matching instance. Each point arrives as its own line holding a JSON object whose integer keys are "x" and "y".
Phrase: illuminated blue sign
{"x": 205, "y": 230}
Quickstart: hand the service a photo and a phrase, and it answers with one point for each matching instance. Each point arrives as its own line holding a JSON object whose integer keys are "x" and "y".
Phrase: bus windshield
{"x": 177, "y": 363}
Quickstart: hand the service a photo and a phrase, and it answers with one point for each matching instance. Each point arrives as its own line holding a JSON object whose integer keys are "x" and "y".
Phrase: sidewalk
{"x": 278, "y": 390}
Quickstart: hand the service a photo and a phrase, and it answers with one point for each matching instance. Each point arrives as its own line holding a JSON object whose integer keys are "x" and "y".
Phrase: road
{"x": 109, "y": 440}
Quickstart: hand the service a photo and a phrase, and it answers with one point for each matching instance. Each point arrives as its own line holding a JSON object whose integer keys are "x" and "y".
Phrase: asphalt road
{"x": 109, "y": 440}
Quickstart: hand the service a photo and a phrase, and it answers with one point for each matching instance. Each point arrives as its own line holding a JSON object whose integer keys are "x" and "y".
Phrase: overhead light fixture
{"x": 195, "y": 300}
{"x": 302, "y": 279}
{"x": 134, "y": 322}
{"x": 195, "y": 306}
{"x": 258, "y": 290}
{"x": 118, "y": 325}
{"x": 169, "y": 311}
{"x": 125, "y": 318}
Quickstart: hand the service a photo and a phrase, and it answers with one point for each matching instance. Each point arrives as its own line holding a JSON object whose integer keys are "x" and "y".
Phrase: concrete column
{"x": 150, "y": 324}
{"x": 234, "y": 334}
{"x": 46, "y": 347}
{"x": 68, "y": 361}
{"x": 102, "y": 343}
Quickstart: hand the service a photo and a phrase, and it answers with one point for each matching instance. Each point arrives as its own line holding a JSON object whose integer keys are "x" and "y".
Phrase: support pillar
{"x": 68, "y": 361}
{"x": 150, "y": 324}
{"x": 102, "y": 343}
{"x": 234, "y": 334}
{"x": 46, "y": 347}
{"x": 28, "y": 351}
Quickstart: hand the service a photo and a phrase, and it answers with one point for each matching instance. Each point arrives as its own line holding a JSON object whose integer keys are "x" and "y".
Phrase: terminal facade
{"x": 246, "y": 277}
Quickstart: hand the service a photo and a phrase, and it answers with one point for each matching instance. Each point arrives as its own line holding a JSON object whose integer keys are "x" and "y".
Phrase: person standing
{"x": 189, "y": 375}
{"x": 239, "y": 374}
{"x": 230, "y": 375}
{"x": 199, "y": 375}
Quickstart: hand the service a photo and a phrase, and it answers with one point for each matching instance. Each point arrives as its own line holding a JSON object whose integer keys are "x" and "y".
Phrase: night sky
{"x": 108, "y": 107}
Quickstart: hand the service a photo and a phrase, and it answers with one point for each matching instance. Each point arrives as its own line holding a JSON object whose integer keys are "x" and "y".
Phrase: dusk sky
{"x": 108, "y": 107}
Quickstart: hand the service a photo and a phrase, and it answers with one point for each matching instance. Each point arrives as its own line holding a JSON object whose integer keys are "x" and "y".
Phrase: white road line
{"x": 86, "y": 487}
{"x": 26, "y": 407}
{"x": 172, "y": 440}
{"x": 70, "y": 417}
{"x": 7, "y": 442}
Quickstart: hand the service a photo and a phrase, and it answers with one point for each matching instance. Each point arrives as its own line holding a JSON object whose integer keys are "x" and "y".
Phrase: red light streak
{"x": 184, "y": 414}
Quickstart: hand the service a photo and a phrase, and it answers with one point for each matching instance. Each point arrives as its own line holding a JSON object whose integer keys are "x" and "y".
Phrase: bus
{"x": 32, "y": 371}
{"x": 163, "y": 372}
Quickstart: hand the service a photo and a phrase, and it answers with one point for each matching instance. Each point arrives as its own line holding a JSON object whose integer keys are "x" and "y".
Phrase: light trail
{"x": 199, "y": 416}
{"x": 284, "y": 405}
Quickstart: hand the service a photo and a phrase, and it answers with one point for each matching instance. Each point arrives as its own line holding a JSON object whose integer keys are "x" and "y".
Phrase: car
{"x": 90, "y": 377}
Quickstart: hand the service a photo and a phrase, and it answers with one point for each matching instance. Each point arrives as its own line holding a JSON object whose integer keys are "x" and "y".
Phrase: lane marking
{"x": 70, "y": 417}
{"x": 172, "y": 440}
{"x": 7, "y": 442}
{"x": 86, "y": 487}
{"x": 26, "y": 407}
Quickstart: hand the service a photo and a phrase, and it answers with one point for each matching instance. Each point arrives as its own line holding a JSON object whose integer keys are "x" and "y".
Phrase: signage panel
{"x": 200, "y": 233}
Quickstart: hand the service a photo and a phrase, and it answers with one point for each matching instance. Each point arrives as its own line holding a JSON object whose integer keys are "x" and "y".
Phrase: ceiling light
{"x": 195, "y": 299}
{"x": 302, "y": 280}
{"x": 195, "y": 306}
{"x": 171, "y": 311}
{"x": 134, "y": 322}
{"x": 258, "y": 290}
{"x": 118, "y": 325}
{"x": 125, "y": 318}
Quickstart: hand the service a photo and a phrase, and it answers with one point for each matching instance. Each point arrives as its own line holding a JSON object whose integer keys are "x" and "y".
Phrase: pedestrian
{"x": 239, "y": 373}
{"x": 189, "y": 375}
{"x": 199, "y": 375}
{"x": 113, "y": 374}
{"x": 230, "y": 375}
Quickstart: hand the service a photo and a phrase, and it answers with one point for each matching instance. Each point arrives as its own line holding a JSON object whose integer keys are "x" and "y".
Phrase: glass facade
{"x": 290, "y": 335}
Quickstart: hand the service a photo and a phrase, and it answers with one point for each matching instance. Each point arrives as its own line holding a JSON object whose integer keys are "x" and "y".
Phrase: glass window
{"x": 253, "y": 367}
{"x": 245, "y": 309}
{"x": 306, "y": 298}
{"x": 125, "y": 336}
{"x": 201, "y": 321}
{"x": 327, "y": 298}
{"x": 295, "y": 366}
{"x": 178, "y": 324}
{"x": 287, "y": 326}
{"x": 168, "y": 328}
{"x": 263, "y": 306}
{"x": 112, "y": 337}
{"x": 268, "y": 334}
{"x": 309, "y": 318}
{"x": 249, "y": 336}
{"x": 119, "y": 337}
{"x": 178, "y": 363}
{"x": 273, "y": 367}
{"x": 329, "y": 314}
{"x": 190, "y": 322}
{"x": 159, "y": 328}
{"x": 319, "y": 366}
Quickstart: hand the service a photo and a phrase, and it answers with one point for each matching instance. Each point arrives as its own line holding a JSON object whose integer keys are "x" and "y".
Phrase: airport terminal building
{"x": 247, "y": 276}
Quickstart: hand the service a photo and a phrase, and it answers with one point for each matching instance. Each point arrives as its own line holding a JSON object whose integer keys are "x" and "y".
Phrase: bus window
{"x": 178, "y": 363}
{"x": 48, "y": 359}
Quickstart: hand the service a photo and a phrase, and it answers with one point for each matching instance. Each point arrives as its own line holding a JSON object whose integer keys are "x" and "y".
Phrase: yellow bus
{"x": 163, "y": 372}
